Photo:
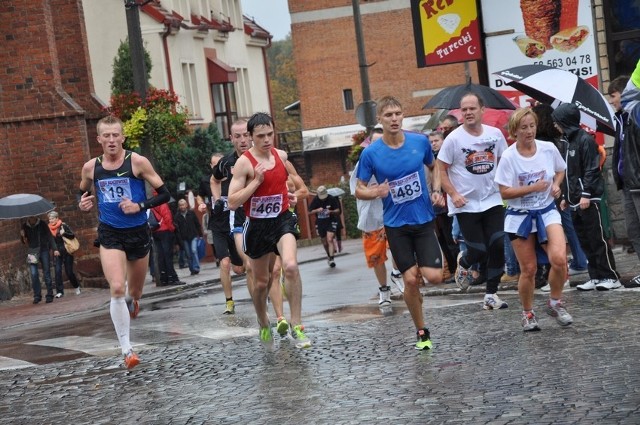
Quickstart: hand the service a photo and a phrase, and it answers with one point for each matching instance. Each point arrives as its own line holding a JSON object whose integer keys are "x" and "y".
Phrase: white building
{"x": 206, "y": 51}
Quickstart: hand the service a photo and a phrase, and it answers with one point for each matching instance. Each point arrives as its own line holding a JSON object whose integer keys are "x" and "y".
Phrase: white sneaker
{"x": 78, "y": 291}
{"x": 59, "y": 295}
{"x": 607, "y": 284}
{"x": 397, "y": 280}
{"x": 385, "y": 296}
{"x": 547, "y": 287}
{"x": 493, "y": 302}
{"x": 589, "y": 285}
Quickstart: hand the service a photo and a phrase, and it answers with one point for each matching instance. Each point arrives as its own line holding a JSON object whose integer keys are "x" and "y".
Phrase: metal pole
{"x": 137, "y": 60}
{"x": 362, "y": 63}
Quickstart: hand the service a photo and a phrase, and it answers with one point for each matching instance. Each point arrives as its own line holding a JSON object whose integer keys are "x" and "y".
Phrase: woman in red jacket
{"x": 163, "y": 242}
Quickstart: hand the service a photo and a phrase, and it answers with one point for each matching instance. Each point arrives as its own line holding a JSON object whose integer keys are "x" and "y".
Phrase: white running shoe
{"x": 78, "y": 291}
{"x": 493, "y": 302}
{"x": 397, "y": 280}
{"x": 589, "y": 285}
{"x": 608, "y": 284}
{"x": 385, "y": 296}
{"x": 547, "y": 287}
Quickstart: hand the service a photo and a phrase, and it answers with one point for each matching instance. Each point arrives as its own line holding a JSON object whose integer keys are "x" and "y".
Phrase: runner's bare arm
{"x": 243, "y": 183}
{"x": 85, "y": 198}
{"x": 301, "y": 189}
{"x": 371, "y": 192}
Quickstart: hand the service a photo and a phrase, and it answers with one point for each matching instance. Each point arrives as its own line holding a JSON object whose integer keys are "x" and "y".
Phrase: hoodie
{"x": 583, "y": 178}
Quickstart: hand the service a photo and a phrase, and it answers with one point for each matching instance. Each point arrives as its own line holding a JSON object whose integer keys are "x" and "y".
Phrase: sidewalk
{"x": 20, "y": 309}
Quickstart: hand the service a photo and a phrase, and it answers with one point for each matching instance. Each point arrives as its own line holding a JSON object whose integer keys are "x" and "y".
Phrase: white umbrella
{"x": 335, "y": 191}
{"x": 554, "y": 86}
{"x": 22, "y": 205}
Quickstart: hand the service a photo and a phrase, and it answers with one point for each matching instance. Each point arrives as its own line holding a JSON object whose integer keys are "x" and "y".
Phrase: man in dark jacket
{"x": 624, "y": 96}
{"x": 39, "y": 240}
{"x": 581, "y": 192}
{"x": 188, "y": 231}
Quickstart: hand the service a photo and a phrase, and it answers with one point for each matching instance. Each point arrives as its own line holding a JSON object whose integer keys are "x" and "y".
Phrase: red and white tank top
{"x": 270, "y": 198}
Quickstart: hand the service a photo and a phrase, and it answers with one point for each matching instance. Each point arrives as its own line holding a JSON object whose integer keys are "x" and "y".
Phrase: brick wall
{"x": 46, "y": 103}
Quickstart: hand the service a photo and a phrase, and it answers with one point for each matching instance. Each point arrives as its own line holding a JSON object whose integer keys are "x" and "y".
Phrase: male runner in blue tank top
{"x": 397, "y": 161}
{"x": 118, "y": 177}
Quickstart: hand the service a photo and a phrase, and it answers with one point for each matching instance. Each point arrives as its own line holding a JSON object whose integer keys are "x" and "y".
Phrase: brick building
{"x": 328, "y": 76}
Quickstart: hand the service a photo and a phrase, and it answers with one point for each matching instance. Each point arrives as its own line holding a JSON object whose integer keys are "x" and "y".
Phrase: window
{"x": 225, "y": 108}
{"x": 243, "y": 93}
{"x": 190, "y": 89}
{"x": 231, "y": 12}
{"x": 181, "y": 7}
{"x": 623, "y": 35}
{"x": 347, "y": 98}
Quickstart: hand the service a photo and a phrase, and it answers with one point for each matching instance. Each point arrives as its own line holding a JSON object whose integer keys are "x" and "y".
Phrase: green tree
{"x": 282, "y": 76}
{"x": 188, "y": 159}
{"x": 122, "y": 81}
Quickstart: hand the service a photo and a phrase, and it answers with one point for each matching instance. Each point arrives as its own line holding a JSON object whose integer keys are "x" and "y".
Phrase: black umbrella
{"x": 554, "y": 86}
{"x": 449, "y": 97}
{"x": 22, "y": 205}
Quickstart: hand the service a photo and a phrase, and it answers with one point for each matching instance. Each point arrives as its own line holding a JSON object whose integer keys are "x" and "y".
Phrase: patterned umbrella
{"x": 22, "y": 205}
{"x": 554, "y": 86}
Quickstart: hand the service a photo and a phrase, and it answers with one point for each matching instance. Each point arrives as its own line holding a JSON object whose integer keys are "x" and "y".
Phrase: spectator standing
{"x": 164, "y": 242}
{"x": 581, "y": 193}
{"x": 39, "y": 240}
{"x": 59, "y": 230}
{"x": 188, "y": 231}
{"x": 624, "y": 93}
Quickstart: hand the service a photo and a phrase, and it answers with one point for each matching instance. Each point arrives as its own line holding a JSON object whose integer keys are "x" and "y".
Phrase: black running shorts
{"x": 261, "y": 236}
{"x": 414, "y": 244}
{"x": 224, "y": 246}
{"x": 324, "y": 226}
{"x": 134, "y": 241}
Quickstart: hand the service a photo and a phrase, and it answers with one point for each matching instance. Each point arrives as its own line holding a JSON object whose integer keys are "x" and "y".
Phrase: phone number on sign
{"x": 571, "y": 64}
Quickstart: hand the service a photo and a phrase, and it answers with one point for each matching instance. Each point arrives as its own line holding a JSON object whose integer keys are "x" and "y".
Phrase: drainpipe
{"x": 165, "y": 46}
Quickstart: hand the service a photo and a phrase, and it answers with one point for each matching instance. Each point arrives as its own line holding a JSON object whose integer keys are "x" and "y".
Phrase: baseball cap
{"x": 322, "y": 192}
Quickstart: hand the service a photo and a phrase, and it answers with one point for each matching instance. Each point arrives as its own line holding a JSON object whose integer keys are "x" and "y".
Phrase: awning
{"x": 218, "y": 71}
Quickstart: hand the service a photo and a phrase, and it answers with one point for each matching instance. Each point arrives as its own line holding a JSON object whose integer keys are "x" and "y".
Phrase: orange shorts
{"x": 375, "y": 247}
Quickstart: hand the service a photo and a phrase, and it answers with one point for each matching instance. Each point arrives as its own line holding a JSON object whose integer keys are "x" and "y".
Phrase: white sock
{"x": 121, "y": 322}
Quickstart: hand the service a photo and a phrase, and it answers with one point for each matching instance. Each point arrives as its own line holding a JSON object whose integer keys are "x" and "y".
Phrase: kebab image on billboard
{"x": 550, "y": 24}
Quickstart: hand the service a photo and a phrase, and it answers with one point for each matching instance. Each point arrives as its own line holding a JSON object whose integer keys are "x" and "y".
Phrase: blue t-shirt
{"x": 408, "y": 201}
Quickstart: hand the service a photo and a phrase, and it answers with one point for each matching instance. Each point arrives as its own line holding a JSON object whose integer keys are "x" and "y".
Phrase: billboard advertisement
{"x": 557, "y": 33}
{"x": 445, "y": 31}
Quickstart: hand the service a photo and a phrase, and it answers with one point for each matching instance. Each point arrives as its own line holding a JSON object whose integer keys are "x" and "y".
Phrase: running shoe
{"x": 131, "y": 359}
{"x": 463, "y": 276}
{"x": 608, "y": 284}
{"x": 332, "y": 263}
{"x": 589, "y": 285}
{"x": 633, "y": 283}
{"x": 547, "y": 287}
{"x": 529, "y": 322}
{"x": 396, "y": 278}
{"x": 424, "y": 340}
{"x": 282, "y": 326}
{"x": 385, "y": 296}
{"x": 301, "y": 339}
{"x": 133, "y": 306}
{"x": 78, "y": 291}
{"x": 230, "y": 307}
{"x": 265, "y": 335}
{"x": 493, "y": 302}
{"x": 59, "y": 295}
{"x": 560, "y": 313}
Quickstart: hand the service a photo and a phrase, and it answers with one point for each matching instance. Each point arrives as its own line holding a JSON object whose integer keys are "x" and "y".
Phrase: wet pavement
{"x": 482, "y": 369}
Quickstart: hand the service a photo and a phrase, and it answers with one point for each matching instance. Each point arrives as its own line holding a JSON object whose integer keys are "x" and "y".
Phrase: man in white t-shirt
{"x": 468, "y": 161}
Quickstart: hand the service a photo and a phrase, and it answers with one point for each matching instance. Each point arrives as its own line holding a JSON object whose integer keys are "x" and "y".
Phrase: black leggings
{"x": 483, "y": 234}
